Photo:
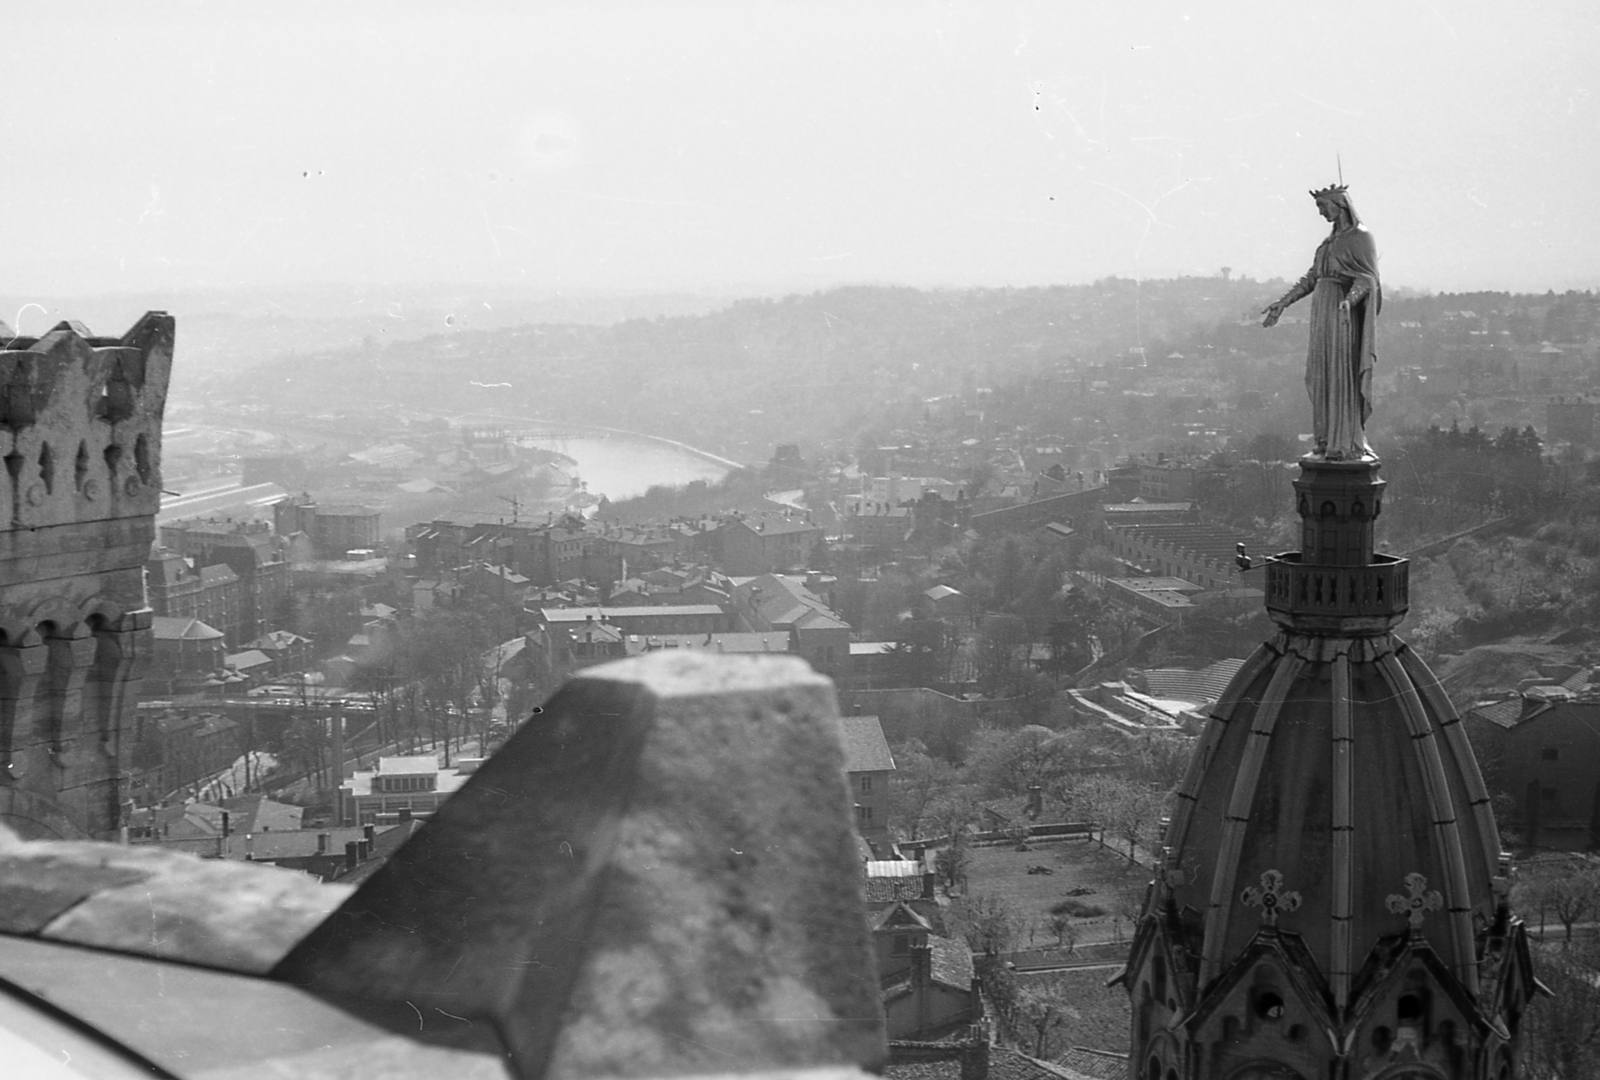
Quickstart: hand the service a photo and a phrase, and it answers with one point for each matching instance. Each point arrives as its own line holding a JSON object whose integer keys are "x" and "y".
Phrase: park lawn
{"x": 1003, "y": 871}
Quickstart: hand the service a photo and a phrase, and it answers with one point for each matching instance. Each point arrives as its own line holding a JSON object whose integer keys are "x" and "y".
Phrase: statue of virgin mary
{"x": 1345, "y": 300}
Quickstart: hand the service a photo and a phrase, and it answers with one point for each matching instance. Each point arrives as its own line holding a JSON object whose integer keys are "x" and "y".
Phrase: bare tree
{"x": 920, "y": 782}
{"x": 1569, "y": 889}
{"x": 1561, "y": 1032}
{"x": 1043, "y": 1015}
{"x": 1061, "y": 927}
{"x": 989, "y": 923}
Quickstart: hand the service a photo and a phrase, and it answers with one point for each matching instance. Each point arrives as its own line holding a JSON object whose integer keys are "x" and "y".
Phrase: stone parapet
{"x": 80, "y": 424}
{"x": 656, "y": 876}
{"x": 1370, "y": 599}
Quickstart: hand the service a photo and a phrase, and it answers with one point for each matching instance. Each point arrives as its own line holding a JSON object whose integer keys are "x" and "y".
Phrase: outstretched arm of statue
{"x": 1303, "y": 287}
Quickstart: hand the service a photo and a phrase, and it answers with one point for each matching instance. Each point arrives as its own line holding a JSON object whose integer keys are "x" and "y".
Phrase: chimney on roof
{"x": 370, "y": 832}
{"x": 364, "y": 850}
{"x": 921, "y": 964}
{"x": 405, "y": 814}
{"x": 226, "y": 830}
{"x": 322, "y": 843}
{"x": 352, "y": 854}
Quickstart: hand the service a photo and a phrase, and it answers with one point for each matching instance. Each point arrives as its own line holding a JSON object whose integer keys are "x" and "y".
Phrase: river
{"x": 616, "y": 464}
{"x": 620, "y": 467}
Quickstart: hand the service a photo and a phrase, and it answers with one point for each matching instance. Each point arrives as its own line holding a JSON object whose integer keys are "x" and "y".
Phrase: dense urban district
{"x": 1022, "y": 531}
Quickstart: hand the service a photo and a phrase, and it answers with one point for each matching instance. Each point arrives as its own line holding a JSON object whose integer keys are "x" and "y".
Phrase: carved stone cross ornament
{"x": 1418, "y": 903}
{"x": 1271, "y": 898}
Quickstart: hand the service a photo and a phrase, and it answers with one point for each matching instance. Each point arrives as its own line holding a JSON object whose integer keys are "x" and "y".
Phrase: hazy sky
{"x": 749, "y": 146}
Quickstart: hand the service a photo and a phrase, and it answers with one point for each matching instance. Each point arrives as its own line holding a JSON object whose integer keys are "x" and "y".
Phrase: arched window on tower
{"x": 51, "y": 715}
{"x": 99, "y": 693}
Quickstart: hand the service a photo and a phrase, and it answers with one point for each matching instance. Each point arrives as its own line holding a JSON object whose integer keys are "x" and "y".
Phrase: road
{"x": 222, "y": 497}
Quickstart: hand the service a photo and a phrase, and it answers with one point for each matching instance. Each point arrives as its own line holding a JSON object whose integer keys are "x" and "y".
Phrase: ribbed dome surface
{"x": 1339, "y": 764}
{"x": 1332, "y": 898}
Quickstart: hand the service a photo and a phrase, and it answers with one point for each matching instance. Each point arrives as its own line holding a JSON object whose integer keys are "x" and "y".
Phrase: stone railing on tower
{"x": 1371, "y": 598}
{"x": 80, "y": 439}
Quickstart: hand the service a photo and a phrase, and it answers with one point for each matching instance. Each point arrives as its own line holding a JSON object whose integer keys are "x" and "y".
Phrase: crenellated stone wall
{"x": 80, "y": 442}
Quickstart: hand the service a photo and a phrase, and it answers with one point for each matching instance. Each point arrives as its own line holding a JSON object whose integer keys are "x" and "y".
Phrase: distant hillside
{"x": 222, "y": 332}
{"x": 803, "y": 368}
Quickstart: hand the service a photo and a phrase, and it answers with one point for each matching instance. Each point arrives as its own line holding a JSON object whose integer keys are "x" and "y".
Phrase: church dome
{"x": 1334, "y": 771}
{"x": 1330, "y": 897}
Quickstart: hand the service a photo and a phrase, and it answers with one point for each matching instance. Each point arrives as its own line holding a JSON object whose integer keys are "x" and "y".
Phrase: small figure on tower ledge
{"x": 1345, "y": 300}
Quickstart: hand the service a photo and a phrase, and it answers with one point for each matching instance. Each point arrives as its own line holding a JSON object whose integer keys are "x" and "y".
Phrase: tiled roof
{"x": 881, "y": 890}
{"x": 170, "y": 570}
{"x": 952, "y": 962}
{"x": 772, "y": 641}
{"x": 415, "y": 765}
{"x": 902, "y": 916}
{"x": 253, "y": 813}
{"x": 1098, "y": 1064}
{"x": 1008, "y": 1064}
{"x": 278, "y": 640}
{"x": 785, "y": 601}
{"x": 1503, "y": 714}
{"x": 865, "y": 748}
{"x": 591, "y": 632}
{"x": 299, "y": 843}
{"x": 167, "y": 628}
{"x": 1205, "y": 541}
{"x": 812, "y": 619}
{"x": 219, "y": 574}
{"x": 773, "y": 526}
{"x": 189, "y": 820}
{"x": 949, "y": 1069}
{"x": 385, "y": 845}
{"x": 579, "y": 614}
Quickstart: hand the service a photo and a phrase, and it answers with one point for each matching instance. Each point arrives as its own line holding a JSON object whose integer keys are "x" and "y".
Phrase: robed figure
{"x": 1345, "y": 300}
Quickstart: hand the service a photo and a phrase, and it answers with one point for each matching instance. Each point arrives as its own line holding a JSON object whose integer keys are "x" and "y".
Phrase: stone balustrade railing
{"x": 1312, "y": 597}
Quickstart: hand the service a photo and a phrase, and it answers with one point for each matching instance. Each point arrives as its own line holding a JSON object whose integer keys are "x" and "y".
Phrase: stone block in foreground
{"x": 165, "y": 904}
{"x": 657, "y": 875}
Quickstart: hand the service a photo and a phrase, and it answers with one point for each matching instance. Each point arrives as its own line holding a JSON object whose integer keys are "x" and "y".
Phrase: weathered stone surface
{"x": 158, "y": 903}
{"x": 35, "y": 891}
{"x": 199, "y": 1023}
{"x": 656, "y": 876}
{"x": 80, "y": 432}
